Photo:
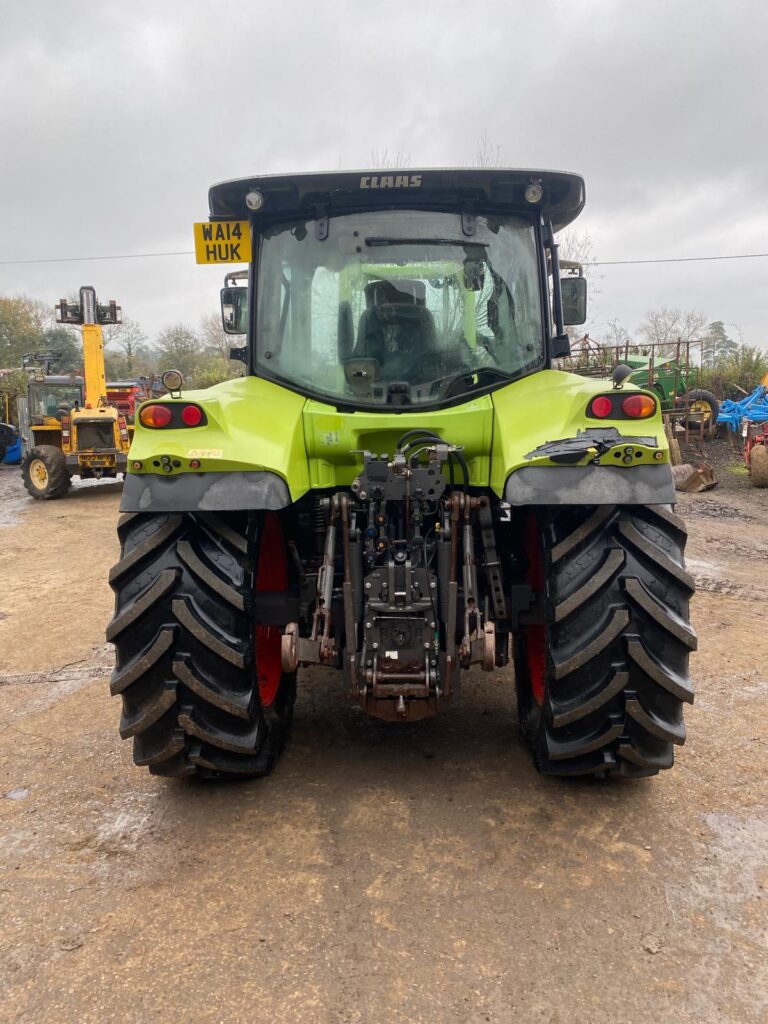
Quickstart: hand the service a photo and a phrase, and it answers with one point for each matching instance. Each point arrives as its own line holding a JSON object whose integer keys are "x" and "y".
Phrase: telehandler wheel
{"x": 758, "y": 466}
{"x": 44, "y": 471}
{"x": 602, "y": 679}
{"x": 202, "y": 692}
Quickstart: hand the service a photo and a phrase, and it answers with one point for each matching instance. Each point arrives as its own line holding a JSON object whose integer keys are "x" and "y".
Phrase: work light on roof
{"x": 254, "y": 200}
{"x": 534, "y": 191}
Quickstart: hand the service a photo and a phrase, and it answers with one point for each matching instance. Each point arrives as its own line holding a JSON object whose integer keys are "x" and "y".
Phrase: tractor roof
{"x": 53, "y": 378}
{"x": 466, "y": 189}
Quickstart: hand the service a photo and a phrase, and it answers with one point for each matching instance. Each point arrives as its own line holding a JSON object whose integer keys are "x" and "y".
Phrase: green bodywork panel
{"x": 552, "y": 405}
{"x": 254, "y": 424}
{"x": 335, "y": 441}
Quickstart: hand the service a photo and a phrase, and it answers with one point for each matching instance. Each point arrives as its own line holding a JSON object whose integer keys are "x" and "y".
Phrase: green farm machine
{"x": 400, "y": 487}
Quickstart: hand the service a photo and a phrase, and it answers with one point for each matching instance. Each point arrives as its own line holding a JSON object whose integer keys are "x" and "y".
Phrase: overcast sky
{"x": 115, "y": 117}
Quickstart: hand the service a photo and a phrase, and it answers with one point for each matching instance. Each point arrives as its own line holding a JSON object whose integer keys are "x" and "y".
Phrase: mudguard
{"x": 249, "y": 454}
{"x": 590, "y": 485}
{"x": 204, "y": 492}
{"x": 548, "y": 451}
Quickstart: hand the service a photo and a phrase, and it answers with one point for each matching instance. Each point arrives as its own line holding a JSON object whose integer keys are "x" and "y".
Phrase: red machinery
{"x": 127, "y": 395}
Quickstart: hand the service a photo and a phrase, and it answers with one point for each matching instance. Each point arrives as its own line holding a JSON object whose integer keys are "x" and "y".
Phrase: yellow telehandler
{"x": 68, "y": 428}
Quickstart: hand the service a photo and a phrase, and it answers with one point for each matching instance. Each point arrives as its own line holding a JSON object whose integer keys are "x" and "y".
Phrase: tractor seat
{"x": 399, "y": 336}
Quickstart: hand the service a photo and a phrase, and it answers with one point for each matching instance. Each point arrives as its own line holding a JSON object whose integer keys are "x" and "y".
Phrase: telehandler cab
{"x": 400, "y": 487}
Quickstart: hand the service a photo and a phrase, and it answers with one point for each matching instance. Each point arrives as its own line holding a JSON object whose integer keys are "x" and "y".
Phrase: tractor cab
{"x": 50, "y": 397}
{"x": 400, "y": 308}
{"x": 420, "y": 290}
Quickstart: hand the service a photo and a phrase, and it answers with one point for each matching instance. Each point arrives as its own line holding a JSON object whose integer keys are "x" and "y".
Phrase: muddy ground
{"x": 383, "y": 873}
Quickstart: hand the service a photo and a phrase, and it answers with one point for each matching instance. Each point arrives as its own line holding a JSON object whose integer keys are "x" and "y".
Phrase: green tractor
{"x": 400, "y": 488}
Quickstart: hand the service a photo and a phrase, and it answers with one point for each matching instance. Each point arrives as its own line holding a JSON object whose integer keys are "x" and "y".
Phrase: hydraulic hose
{"x": 414, "y": 437}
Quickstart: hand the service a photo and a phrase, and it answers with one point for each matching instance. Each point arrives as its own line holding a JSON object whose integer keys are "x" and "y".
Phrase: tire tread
{"x": 616, "y": 589}
{"x": 183, "y": 636}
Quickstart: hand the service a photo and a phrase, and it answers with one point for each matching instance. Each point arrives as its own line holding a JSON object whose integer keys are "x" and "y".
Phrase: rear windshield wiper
{"x": 374, "y": 241}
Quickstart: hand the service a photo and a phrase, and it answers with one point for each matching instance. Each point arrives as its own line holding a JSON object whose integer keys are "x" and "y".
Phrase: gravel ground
{"x": 725, "y": 456}
{"x": 381, "y": 874}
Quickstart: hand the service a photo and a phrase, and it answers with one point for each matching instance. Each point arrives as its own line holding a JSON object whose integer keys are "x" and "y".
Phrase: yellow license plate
{"x": 223, "y": 241}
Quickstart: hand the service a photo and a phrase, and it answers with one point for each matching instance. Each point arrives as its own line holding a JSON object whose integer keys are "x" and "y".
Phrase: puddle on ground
{"x": 16, "y": 794}
{"x": 126, "y": 824}
{"x": 724, "y": 900}
{"x": 708, "y": 509}
{"x": 14, "y": 500}
{"x": 734, "y": 870}
{"x": 712, "y": 577}
{"x": 11, "y": 505}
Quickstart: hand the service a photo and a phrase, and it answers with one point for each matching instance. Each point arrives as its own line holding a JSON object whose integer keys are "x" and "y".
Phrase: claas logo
{"x": 390, "y": 181}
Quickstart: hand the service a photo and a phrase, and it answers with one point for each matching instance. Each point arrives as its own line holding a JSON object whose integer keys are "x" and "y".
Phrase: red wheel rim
{"x": 271, "y": 575}
{"x": 535, "y": 636}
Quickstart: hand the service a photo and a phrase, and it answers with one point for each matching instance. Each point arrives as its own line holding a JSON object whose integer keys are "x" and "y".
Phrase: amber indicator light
{"x": 155, "y": 416}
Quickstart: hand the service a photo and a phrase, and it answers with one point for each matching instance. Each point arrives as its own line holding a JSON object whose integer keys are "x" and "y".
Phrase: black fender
{"x": 591, "y": 485}
{"x": 204, "y": 492}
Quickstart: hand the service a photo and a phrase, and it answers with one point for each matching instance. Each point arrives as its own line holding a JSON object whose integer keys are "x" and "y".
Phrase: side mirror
{"x": 234, "y": 310}
{"x": 474, "y": 274}
{"x": 574, "y": 293}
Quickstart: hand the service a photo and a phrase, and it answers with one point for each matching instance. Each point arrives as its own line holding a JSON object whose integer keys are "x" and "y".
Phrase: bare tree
{"x": 577, "y": 246}
{"x": 215, "y": 341}
{"x": 381, "y": 158}
{"x": 109, "y": 335}
{"x": 126, "y": 341}
{"x": 179, "y": 349}
{"x": 617, "y": 334}
{"x": 665, "y": 326}
{"x": 40, "y": 313}
{"x": 488, "y": 153}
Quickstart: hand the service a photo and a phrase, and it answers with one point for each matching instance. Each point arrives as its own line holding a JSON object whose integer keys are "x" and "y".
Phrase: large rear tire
{"x": 601, "y": 681}
{"x": 45, "y": 474}
{"x": 194, "y": 700}
{"x": 758, "y": 466}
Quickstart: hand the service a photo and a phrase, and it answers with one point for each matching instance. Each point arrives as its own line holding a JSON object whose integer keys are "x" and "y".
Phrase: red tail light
{"x": 621, "y": 407}
{"x": 601, "y": 407}
{"x": 191, "y": 415}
